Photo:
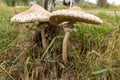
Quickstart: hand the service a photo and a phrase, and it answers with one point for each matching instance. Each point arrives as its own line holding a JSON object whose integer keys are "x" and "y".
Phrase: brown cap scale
{"x": 35, "y": 14}
{"x": 66, "y": 18}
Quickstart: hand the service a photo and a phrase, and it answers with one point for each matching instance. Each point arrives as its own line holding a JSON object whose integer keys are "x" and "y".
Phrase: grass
{"x": 19, "y": 9}
{"x": 90, "y": 7}
{"x": 6, "y": 28}
{"x": 94, "y": 52}
{"x": 93, "y": 7}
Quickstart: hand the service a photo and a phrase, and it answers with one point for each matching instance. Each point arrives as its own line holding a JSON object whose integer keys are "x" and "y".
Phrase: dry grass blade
{"x": 7, "y": 72}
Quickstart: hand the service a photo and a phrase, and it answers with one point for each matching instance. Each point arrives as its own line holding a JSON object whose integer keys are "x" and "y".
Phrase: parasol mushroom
{"x": 35, "y": 14}
{"x": 66, "y": 18}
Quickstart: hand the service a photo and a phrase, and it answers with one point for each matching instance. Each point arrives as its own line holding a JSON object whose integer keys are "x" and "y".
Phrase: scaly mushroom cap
{"x": 74, "y": 14}
{"x": 35, "y": 13}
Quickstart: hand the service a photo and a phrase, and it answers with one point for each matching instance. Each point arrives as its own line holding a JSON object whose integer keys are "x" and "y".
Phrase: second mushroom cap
{"x": 74, "y": 14}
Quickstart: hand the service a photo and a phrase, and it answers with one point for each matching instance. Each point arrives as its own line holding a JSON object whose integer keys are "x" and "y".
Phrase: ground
{"x": 94, "y": 51}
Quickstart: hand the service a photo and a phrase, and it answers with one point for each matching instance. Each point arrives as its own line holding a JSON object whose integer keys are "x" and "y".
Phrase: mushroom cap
{"x": 74, "y": 14}
{"x": 35, "y": 13}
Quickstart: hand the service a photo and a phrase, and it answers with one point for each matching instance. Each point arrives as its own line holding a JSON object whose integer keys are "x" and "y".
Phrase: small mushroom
{"x": 66, "y": 18}
{"x": 35, "y": 14}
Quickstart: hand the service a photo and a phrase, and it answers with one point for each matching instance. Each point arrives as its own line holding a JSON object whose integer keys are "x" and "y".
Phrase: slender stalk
{"x": 44, "y": 43}
{"x": 65, "y": 43}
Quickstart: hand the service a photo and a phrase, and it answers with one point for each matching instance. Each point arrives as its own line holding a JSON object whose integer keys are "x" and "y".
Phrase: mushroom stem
{"x": 68, "y": 27}
{"x": 42, "y": 27}
{"x": 44, "y": 43}
{"x": 65, "y": 43}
